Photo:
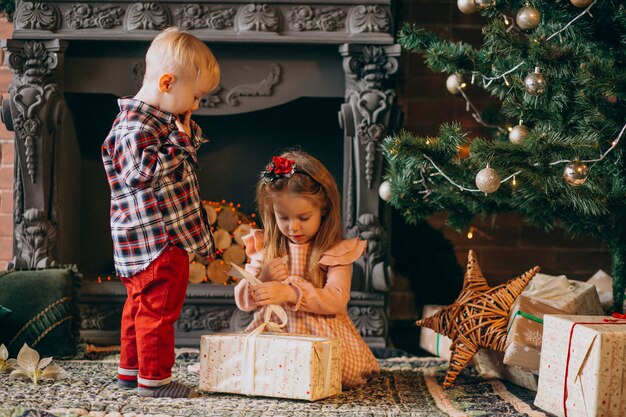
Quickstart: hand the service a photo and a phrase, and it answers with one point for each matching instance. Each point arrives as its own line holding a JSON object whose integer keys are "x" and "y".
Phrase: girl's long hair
{"x": 311, "y": 180}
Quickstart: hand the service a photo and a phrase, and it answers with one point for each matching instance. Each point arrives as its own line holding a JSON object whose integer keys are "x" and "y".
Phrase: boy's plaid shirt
{"x": 155, "y": 199}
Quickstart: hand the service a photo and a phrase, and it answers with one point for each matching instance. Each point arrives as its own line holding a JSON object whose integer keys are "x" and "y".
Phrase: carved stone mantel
{"x": 325, "y": 48}
{"x": 278, "y": 21}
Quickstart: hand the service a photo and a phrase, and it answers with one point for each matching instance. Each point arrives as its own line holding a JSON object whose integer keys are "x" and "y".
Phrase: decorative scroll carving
{"x": 137, "y": 71}
{"x": 368, "y": 228}
{"x": 369, "y": 321}
{"x": 35, "y": 236}
{"x": 371, "y": 18}
{"x": 328, "y": 19}
{"x": 262, "y": 88}
{"x": 198, "y": 16}
{"x": 147, "y": 16}
{"x": 368, "y": 114}
{"x": 34, "y": 112}
{"x": 258, "y": 18}
{"x": 195, "y": 317}
{"x": 100, "y": 316}
{"x": 212, "y": 100}
{"x": 372, "y": 67}
{"x": 82, "y": 16}
{"x": 369, "y": 104}
{"x": 42, "y": 16}
{"x": 369, "y": 132}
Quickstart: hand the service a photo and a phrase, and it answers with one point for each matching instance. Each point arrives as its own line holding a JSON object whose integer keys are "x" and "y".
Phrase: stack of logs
{"x": 228, "y": 225}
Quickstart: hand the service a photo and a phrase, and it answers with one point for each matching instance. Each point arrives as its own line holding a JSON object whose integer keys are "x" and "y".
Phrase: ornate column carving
{"x": 33, "y": 112}
{"x": 368, "y": 115}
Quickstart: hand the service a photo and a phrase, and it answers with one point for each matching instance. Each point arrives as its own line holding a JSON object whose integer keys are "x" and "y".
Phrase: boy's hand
{"x": 275, "y": 270}
{"x": 274, "y": 293}
{"x": 185, "y": 125}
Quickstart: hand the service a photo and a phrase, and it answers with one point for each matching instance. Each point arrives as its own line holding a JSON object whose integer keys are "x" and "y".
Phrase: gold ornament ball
{"x": 467, "y": 6}
{"x": 528, "y": 18}
{"x": 575, "y": 173}
{"x": 581, "y": 3}
{"x": 518, "y": 134}
{"x": 384, "y": 190}
{"x": 535, "y": 83}
{"x": 488, "y": 180}
{"x": 483, "y": 4}
{"x": 455, "y": 83}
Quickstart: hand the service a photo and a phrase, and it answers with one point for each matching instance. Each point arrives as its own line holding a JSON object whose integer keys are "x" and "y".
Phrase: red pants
{"x": 155, "y": 299}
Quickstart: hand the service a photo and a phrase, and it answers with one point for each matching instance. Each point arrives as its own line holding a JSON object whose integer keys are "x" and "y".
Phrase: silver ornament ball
{"x": 535, "y": 83}
{"x": 384, "y": 190}
{"x": 488, "y": 180}
{"x": 581, "y": 3}
{"x": 575, "y": 173}
{"x": 455, "y": 83}
{"x": 467, "y": 6}
{"x": 528, "y": 18}
{"x": 483, "y": 4}
{"x": 518, "y": 134}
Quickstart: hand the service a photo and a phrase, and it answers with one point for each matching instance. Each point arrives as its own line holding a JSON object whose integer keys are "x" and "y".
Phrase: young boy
{"x": 156, "y": 212}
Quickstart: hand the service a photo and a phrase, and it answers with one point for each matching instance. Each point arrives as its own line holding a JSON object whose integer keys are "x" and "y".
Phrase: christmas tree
{"x": 554, "y": 153}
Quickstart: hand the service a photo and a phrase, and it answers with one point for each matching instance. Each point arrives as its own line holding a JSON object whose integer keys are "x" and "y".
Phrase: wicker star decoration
{"x": 477, "y": 318}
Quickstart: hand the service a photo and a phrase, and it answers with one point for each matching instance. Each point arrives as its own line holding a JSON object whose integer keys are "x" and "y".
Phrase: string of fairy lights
{"x": 488, "y": 180}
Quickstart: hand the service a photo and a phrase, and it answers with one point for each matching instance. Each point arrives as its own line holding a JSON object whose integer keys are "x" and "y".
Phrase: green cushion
{"x": 4, "y": 312}
{"x": 44, "y": 311}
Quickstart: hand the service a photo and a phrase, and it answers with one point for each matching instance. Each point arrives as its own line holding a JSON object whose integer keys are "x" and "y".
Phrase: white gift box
{"x": 583, "y": 366}
{"x": 431, "y": 341}
{"x": 270, "y": 364}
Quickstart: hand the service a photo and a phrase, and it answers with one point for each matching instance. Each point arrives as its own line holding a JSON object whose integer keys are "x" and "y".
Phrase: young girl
{"x": 298, "y": 203}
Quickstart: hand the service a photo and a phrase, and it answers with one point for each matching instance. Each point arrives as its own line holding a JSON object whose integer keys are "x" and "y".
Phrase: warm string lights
{"x": 508, "y": 22}
{"x": 526, "y": 18}
{"x": 487, "y": 179}
{"x": 579, "y": 164}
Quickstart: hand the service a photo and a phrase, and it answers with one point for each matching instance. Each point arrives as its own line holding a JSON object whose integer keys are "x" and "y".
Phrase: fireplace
{"x": 289, "y": 68}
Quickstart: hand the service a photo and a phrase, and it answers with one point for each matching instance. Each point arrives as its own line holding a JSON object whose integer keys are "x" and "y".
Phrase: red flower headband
{"x": 279, "y": 168}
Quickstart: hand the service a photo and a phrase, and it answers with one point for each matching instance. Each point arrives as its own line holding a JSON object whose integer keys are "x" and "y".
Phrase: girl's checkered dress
{"x": 319, "y": 311}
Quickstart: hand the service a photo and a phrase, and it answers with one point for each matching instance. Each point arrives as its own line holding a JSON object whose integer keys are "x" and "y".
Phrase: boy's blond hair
{"x": 311, "y": 180}
{"x": 182, "y": 54}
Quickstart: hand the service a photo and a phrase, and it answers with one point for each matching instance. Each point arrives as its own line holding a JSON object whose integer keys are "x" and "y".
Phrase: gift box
{"x": 523, "y": 343}
{"x": 583, "y": 363}
{"x": 433, "y": 342}
{"x": 604, "y": 286}
{"x": 271, "y": 364}
{"x": 573, "y": 297}
{"x": 489, "y": 364}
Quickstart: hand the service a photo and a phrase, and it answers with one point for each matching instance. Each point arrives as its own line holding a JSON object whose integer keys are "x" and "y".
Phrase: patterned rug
{"x": 406, "y": 387}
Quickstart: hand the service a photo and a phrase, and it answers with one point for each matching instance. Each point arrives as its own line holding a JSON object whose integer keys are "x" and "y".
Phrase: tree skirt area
{"x": 407, "y": 386}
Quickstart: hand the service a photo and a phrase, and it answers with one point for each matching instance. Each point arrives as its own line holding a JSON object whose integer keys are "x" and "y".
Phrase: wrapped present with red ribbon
{"x": 431, "y": 341}
{"x": 583, "y": 366}
{"x": 523, "y": 340}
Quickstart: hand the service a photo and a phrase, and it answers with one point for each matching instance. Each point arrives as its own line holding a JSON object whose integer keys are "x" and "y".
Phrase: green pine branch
{"x": 576, "y": 118}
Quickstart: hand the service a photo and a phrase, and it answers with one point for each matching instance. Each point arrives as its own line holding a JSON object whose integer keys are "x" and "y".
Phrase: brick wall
{"x": 505, "y": 246}
{"x": 6, "y": 160}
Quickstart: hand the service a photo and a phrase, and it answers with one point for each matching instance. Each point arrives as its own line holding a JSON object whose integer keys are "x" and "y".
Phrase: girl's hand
{"x": 274, "y": 293}
{"x": 185, "y": 125}
{"x": 275, "y": 270}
